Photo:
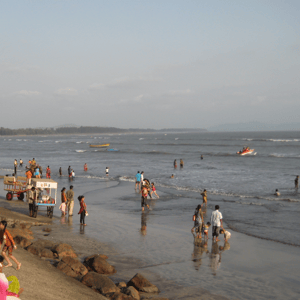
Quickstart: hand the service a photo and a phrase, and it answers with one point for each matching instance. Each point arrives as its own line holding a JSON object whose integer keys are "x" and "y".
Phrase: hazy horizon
{"x": 148, "y": 64}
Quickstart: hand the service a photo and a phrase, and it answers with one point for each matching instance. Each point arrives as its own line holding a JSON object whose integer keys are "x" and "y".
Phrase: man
{"x": 216, "y": 220}
{"x": 138, "y": 180}
{"x": 15, "y": 166}
{"x": 70, "y": 200}
{"x": 297, "y": 182}
{"x": 31, "y": 200}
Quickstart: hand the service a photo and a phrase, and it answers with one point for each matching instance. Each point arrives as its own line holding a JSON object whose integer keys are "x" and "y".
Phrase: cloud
{"x": 178, "y": 92}
{"x": 66, "y": 92}
{"x": 27, "y": 93}
{"x": 137, "y": 99}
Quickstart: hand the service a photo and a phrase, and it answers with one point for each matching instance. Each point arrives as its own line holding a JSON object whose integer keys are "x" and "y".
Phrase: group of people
{"x": 36, "y": 171}
{"x": 175, "y": 163}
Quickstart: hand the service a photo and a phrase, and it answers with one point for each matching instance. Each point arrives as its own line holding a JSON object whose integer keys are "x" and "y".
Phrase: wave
{"x": 271, "y": 140}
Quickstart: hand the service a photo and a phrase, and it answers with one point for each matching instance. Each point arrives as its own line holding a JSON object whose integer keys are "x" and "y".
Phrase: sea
{"x": 243, "y": 187}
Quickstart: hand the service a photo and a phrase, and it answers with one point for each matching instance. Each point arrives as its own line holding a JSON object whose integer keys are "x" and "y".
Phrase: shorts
{"x": 8, "y": 249}
{"x": 137, "y": 182}
{"x": 143, "y": 202}
{"x": 216, "y": 231}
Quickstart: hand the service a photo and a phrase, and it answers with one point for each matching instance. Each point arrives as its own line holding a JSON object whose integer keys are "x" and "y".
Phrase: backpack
{"x": 194, "y": 218}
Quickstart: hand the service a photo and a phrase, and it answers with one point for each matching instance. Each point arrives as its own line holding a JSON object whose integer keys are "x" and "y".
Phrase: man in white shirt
{"x": 216, "y": 220}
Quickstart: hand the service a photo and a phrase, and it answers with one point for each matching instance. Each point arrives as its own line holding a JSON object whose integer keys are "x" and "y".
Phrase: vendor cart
{"x": 15, "y": 186}
{"x": 45, "y": 195}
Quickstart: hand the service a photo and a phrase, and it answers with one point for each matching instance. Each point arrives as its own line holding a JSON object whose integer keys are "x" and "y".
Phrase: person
{"x": 175, "y": 164}
{"x": 48, "y": 172}
{"x": 181, "y": 163}
{"x": 31, "y": 200}
{"x": 297, "y": 182}
{"x": 205, "y": 229}
{"x": 9, "y": 245}
{"x": 21, "y": 162}
{"x": 226, "y": 233}
{"x": 9, "y": 287}
{"x": 60, "y": 171}
{"x": 85, "y": 167}
{"x": 137, "y": 180}
{"x": 82, "y": 212}
{"x": 69, "y": 170}
{"x": 33, "y": 162}
{"x": 73, "y": 174}
{"x": 172, "y": 176}
{"x": 37, "y": 172}
{"x": 277, "y": 193}
{"x": 198, "y": 221}
{"x": 63, "y": 208}
{"x": 216, "y": 220}
{"x": 144, "y": 198}
{"x": 63, "y": 195}
{"x": 28, "y": 175}
{"x": 70, "y": 200}
{"x": 142, "y": 178}
{"x": 204, "y": 196}
{"x": 201, "y": 157}
{"x": 15, "y": 166}
{"x": 153, "y": 190}
{"x": 106, "y": 171}
{"x": 41, "y": 171}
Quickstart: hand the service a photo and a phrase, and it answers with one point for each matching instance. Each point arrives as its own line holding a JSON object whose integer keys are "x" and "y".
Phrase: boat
{"x": 99, "y": 146}
{"x": 245, "y": 151}
{"x": 112, "y": 149}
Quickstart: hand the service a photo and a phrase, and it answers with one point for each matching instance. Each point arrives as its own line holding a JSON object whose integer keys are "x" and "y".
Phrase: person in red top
{"x": 28, "y": 175}
{"x": 48, "y": 172}
{"x": 82, "y": 211}
{"x": 9, "y": 245}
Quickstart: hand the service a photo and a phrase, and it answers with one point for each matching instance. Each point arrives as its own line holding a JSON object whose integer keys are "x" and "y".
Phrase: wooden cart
{"x": 15, "y": 186}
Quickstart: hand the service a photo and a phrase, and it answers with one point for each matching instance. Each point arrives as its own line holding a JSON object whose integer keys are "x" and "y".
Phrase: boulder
{"x": 120, "y": 296}
{"x": 131, "y": 291}
{"x": 103, "y": 256}
{"x": 140, "y": 283}
{"x": 63, "y": 250}
{"x": 47, "y": 253}
{"x": 24, "y": 233}
{"x": 23, "y": 242}
{"x": 72, "y": 267}
{"x": 98, "y": 264}
{"x": 100, "y": 282}
{"x": 121, "y": 284}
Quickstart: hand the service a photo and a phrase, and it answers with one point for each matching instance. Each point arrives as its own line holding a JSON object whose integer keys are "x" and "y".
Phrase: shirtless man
{"x": 297, "y": 182}
{"x": 204, "y": 197}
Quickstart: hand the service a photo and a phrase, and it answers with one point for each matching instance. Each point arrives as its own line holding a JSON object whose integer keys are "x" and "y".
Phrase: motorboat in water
{"x": 99, "y": 146}
{"x": 245, "y": 151}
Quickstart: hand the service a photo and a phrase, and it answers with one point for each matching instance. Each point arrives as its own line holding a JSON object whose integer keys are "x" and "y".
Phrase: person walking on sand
{"x": 70, "y": 200}
{"x": 216, "y": 220}
{"x": 137, "y": 180}
{"x": 31, "y": 200}
{"x": 198, "y": 221}
{"x": 82, "y": 212}
{"x": 297, "y": 182}
{"x": 204, "y": 197}
{"x": 15, "y": 166}
{"x": 9, "y": 245}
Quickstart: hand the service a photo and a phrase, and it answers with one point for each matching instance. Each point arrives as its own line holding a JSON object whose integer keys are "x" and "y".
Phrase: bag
{"x": 194, "y": 218}
{"x": 86, "y": 214}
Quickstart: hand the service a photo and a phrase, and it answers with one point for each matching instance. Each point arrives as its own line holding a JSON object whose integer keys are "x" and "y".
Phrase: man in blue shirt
{"x": 138, "y": 180}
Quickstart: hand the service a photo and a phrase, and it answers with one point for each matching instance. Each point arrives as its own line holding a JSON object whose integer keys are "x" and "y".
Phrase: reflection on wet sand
{"x": 200, "y": 247}
{"x": 144, "y": 218}
{"x": 70, "y": 220}
{"x": 216, "y": 255}
{"x": 81, "y": 230}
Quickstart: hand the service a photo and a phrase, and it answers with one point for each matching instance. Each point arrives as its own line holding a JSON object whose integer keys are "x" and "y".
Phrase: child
{"x": 63, "y": 208}
{"x": 144, "y": 198}
{"x": 153, "y": 190}
{"x": 198, "y": 221}
{"x": 277, "y": 193}
{"x": 206, "y": 227}
{"x": 106, "y": 171}
{"x": 226, "y": 233}
{"x": 9, "y": 245}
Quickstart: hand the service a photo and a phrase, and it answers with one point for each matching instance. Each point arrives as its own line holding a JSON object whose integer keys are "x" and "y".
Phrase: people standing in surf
{"x": 9, "y": 245}
{"x": 181, "y": 163}
{"x": 297, "y": 182}
{"x": 48, "y": 172}
{"x": 82, "y": 212}
{"x": 85, "y": 167}
{"x": 198, "y": 221}
{"x": 175, "y": 164}
{"x": 204, "y": 197}
{"x": 138, "y": 181}
{"x": 15, "y": 167}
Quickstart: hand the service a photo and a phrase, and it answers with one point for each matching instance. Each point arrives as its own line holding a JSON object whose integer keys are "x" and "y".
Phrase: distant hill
{"x": 256, "y": 126}
{"x": 65, "y": 129}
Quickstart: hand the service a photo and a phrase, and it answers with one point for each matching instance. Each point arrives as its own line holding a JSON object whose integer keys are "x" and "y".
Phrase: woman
{"x": 8, "y": 291}
{"x": 63, "y": 195}
{"x": 82, "y": 211}
{"x": 85, "y": 167}
{"x": 48, "y": 172}
{"x": 37, "y": 172}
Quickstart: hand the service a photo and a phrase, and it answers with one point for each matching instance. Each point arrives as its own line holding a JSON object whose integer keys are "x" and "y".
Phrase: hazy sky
{"x": 148, "y": 64}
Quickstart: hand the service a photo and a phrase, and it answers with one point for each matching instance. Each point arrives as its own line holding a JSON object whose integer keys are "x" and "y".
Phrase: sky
{"x": 148, "y": 63}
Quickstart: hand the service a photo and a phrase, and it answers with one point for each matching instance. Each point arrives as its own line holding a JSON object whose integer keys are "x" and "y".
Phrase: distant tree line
{"x": 81, "y": 130}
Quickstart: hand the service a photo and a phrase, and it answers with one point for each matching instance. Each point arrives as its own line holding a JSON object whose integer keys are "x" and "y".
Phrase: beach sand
{"x": 252, "y": 268}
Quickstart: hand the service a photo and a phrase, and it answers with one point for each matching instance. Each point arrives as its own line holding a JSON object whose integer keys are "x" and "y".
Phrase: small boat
{"x": 99, "y": 146}
{"x": 112, "y": 149}
{"x": 245, "y": 151}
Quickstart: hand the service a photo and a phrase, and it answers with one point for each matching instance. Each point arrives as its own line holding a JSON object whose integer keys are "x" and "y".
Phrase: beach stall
{"x": 45, "y": 195}
{"x": 15, "y": 186}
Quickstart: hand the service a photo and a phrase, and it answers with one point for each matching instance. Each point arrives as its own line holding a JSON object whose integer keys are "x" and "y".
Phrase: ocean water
{"x": 243, "y": 187}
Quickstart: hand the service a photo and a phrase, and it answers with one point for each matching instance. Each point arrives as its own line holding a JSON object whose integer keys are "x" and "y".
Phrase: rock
{"x": 94, "y": 255}
{"x": 63, "y": 250}
{"x": 99, "y": 282}
{"x": 120, "y": 296}
{"x": 47, "y": 229}
{"x": 24, "y": 243}
{"x": 142, "y": 284}
{"x": 131, "y": 291}
{"x": 66, "y": 269}
{"x": 35, "y": 249}
{"x": 153, "y": 298}
{"x": 77, "y": 268}
{"x": 121, "y": 284}
{"x": 98, "y": 263}
{"x": 47, "y": 253}
{"x": 24, "y": 233}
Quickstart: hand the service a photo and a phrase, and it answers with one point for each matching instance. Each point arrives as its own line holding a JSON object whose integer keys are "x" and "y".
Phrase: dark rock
{"x": 75, "y": 265}
{"x": 99, "y": 282}
{"x": 24, "y": 243}
{"x": 47, "y": 253}
{"x": 142, "y": 284}
{"x": 131, "y": 291}
{"x": 98, "y": 263}
{"x": 35, "y": 249}
{"x": 120, "y": 296}
{"x": 63, "y": 250}
{"x": 66, "y": 269}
